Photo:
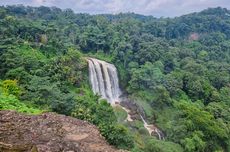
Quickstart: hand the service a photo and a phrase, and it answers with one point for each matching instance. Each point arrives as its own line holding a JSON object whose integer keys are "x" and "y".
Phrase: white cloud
{"x": 147, "y": 7}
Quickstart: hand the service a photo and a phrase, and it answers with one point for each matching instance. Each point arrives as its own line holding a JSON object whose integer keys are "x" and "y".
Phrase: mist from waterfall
{"x": 104, "y": 80}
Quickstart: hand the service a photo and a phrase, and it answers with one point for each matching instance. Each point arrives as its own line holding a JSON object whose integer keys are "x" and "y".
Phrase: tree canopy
{"x": 176, "y": 69}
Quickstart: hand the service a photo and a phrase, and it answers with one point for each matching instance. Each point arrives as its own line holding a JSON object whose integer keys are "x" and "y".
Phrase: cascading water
{"x": 104, "y": 80}
{"x": 152, "y": 128}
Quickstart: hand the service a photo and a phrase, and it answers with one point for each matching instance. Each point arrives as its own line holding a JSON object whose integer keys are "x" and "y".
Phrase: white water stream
{"x": 104, "y": 81}
{"x": 151, "y": 129}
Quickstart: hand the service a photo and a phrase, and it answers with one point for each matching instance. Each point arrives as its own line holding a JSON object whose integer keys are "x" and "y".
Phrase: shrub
{"x": 11, "y": 87}
{"x": 117, "y": 135}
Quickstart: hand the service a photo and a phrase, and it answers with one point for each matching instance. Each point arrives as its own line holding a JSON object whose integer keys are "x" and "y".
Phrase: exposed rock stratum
{"x": 49, "y": 132}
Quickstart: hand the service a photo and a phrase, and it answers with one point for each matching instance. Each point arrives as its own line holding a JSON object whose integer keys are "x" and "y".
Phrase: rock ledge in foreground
{"x": 49, "y": 132}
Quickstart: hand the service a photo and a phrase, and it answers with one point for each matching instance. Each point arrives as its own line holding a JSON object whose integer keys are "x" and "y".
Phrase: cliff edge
{"x": 49, "y": 132}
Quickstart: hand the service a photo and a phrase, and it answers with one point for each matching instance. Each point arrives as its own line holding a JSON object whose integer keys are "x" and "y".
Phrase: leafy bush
{"x": 10, "y": 87}
{"x": 120, "y": 113}
{"x": 9, "y": 91}
{"x": 99, "y": 112}
{"x": 117, "y": 135}
{"x": 10, "y": 102}
{"x": 154, "y": 145}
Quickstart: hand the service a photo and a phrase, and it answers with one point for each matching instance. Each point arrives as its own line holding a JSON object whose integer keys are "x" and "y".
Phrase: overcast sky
{"x": 157, "y": 8}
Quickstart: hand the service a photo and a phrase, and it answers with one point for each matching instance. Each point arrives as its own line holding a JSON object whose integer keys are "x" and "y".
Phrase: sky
{"x": 157, "y": 8}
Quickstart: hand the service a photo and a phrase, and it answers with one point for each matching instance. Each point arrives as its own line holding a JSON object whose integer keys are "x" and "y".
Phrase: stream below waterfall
{"x": 129, "y": 118}
{"x": 150, "y": 128}
{"x": 104, "y": 81}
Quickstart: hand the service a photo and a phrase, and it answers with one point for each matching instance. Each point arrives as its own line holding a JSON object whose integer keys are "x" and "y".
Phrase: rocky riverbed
{"x": 134, "y": 112}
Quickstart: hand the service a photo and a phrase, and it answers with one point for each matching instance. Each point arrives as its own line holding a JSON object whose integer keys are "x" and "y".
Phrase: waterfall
{"x": 104, "y": 80}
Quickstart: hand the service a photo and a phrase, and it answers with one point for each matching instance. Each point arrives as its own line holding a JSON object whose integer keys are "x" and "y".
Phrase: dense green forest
{"x": 176, "y": 69}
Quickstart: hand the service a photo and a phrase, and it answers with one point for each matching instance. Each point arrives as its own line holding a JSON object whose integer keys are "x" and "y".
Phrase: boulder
{"x": 49, "y": 132}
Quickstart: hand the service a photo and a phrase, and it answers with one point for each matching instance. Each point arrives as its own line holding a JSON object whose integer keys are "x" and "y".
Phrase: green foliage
{"x": 9, "y": 92}
{"x": 117, "y": 135}
{"x": 69, "y": 68}
{"x": 10, "y": 87}
{"x": 175, "y": 69}
{"x": 89, "y": 107}
{"x": 41, "y": 91}
{"x": 10, "y": 102}
{"x": 160, "y": 146}
{"x": 194, "y": 143}
{"x": 225, "y": 95}
{"x": 120, "y": 113}
{"x": 143, "y": 131}
{"x": 144, "y": 103}
{"x": 200, "y": 128}
{"x": 146, "y": 77}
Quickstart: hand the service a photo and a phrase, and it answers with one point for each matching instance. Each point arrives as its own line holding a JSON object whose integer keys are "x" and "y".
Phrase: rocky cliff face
{"x": 49, "y": 132}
